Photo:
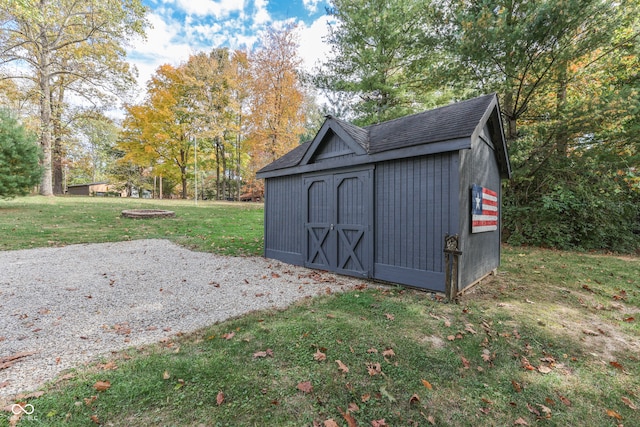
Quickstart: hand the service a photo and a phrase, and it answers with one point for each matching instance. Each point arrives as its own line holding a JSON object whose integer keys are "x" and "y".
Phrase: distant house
{"x": 378, "y": 201}
{"x": 93, "y": 189}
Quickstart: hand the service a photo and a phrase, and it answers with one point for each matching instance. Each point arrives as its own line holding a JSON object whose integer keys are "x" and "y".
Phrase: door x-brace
{"x": 350, "y": 246}
{"x": 316, "y": 244}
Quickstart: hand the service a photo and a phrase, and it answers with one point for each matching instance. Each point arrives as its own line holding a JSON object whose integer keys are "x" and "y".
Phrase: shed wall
{"x": 415, "y": 206}
{"x": 480, "y": 251}
{"x": 284, "y": 219}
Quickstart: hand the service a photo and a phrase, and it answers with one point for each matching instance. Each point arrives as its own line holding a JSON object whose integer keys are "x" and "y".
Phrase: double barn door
{"x": 339, "y": 217}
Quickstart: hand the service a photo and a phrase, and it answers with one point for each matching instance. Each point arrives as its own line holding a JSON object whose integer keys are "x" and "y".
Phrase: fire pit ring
{"x": 147, "y": 213}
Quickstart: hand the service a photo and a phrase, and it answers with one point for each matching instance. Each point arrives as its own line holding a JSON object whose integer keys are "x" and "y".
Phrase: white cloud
{"x": 313, "y": 48}
{"x": 219, "y": 9}
{"x": 311, "y": 5}
{"x": 261, "y": 15}
{"x": 176, "y": 35}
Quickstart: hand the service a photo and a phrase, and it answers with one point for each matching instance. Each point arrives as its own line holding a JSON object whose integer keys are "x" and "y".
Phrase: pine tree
{"x": 19, "y": 158}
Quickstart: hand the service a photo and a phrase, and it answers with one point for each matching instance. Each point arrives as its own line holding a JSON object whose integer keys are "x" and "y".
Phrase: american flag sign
{"x": 484, "y": 209}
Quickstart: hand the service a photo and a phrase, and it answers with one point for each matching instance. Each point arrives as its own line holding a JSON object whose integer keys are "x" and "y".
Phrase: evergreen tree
{"x": 20, "y": 156}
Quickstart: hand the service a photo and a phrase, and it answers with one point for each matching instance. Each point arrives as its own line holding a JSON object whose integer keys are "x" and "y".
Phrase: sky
{"x": 184, "y": 27}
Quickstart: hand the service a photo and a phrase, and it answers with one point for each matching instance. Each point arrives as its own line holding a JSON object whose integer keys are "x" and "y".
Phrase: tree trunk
{"x": 561, "y": 97}
{"x": 183, "y": 176}
{"x": 217, "y": 145}
{"x": 46, "y": 188}
{"x": 57, "y": 139}
{"x": 509, "y": 113}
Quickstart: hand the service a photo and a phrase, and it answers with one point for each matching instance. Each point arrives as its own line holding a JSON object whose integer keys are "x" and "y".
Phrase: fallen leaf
{"x": 526, "y": 365}
{"x": 109, "y": 366}
{"x": 351, "y": 422}
{"x": 564, "y": 400}
{"x": 378, "y": 423}
{"x": 469, "y": 328}
{"x": 465, "y": 362}
{"x": 544, "y": 369}
{"x": 102, "y": 385}
{"x": 427, "y": 384}
{"x": 386, "y": 394}
{"x": 390, "y": 316}
{"x": 267, "y": 352}
{"x": 342, "y": 366}
{"x": 616, "y": 365}
{"x": 305, "y": 387}
{"x": 414, "y": 398}
{"x": 614, "y": 414}
{"x": 545, "y": 409}
{"x": 372, "y": 350}
{"x": 520, "y": 422}
{"x": 330, "y": 423}
{"x": 388, "y": 353}
{"x": 319, "y": 356}
{"x": 220, "y": 398}
{"x": 95, "y": 419}
{"x": 516, "y": 386}
{"x": 365, "y": 397}
{"x": 485, "y": 410}
{"x": 374, "y": 368}
{"x": 331, "y": 316}
{"x": 533, "y": 409}
{"x": 229, "y": 335}
{"x": 88, "y": 401}
{"x": 353, "y": 407}
{"x": 629, "y": 403}
{"x": 166, "y": 375}
{"x": 451, "y": 337}
{"x": 629, "y": 319}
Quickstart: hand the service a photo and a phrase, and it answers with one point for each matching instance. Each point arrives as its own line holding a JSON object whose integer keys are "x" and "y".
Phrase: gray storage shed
{"x": 378, "y": 201}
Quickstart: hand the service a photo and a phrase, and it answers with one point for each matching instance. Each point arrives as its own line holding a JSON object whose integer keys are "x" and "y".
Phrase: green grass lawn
{"x": 221, "y": 227}
{"x": 553, "y": 339}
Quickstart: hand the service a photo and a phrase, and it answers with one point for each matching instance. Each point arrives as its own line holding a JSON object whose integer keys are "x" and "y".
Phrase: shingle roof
{"x": 452, "y": 121}
{"x": 292, "y": 158}
{"x": 446, "y": 123}
{"x": 359, "y": 135}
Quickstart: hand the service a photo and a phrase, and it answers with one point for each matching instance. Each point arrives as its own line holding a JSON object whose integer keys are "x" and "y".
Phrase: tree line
{"x": 239, "y": 110}
{"x": 565, "y": 71}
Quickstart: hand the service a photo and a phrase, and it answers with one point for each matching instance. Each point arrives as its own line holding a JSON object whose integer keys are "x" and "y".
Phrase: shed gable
{"x": 335, "y": 139}
{"x": 330, "y": 147}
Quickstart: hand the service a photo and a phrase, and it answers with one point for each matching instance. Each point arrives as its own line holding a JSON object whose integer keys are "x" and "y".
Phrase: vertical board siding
{"x": 413, "y": 212}
{"x": 480, "y": 251}
{"x": 284, "y": 225}
{"x": 332, "y": 148}
{"x": 352, "y": 225}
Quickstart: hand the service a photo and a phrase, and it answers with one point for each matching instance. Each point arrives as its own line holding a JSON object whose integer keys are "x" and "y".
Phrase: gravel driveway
{"x": 62, "y": 307}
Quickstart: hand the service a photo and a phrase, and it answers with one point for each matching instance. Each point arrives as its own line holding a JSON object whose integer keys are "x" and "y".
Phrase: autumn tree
{"x": 276, "y": 117}
{"x": 159, "y": 133}
{"x": 213, "y": 86}
{"x": 46, "y": 41}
